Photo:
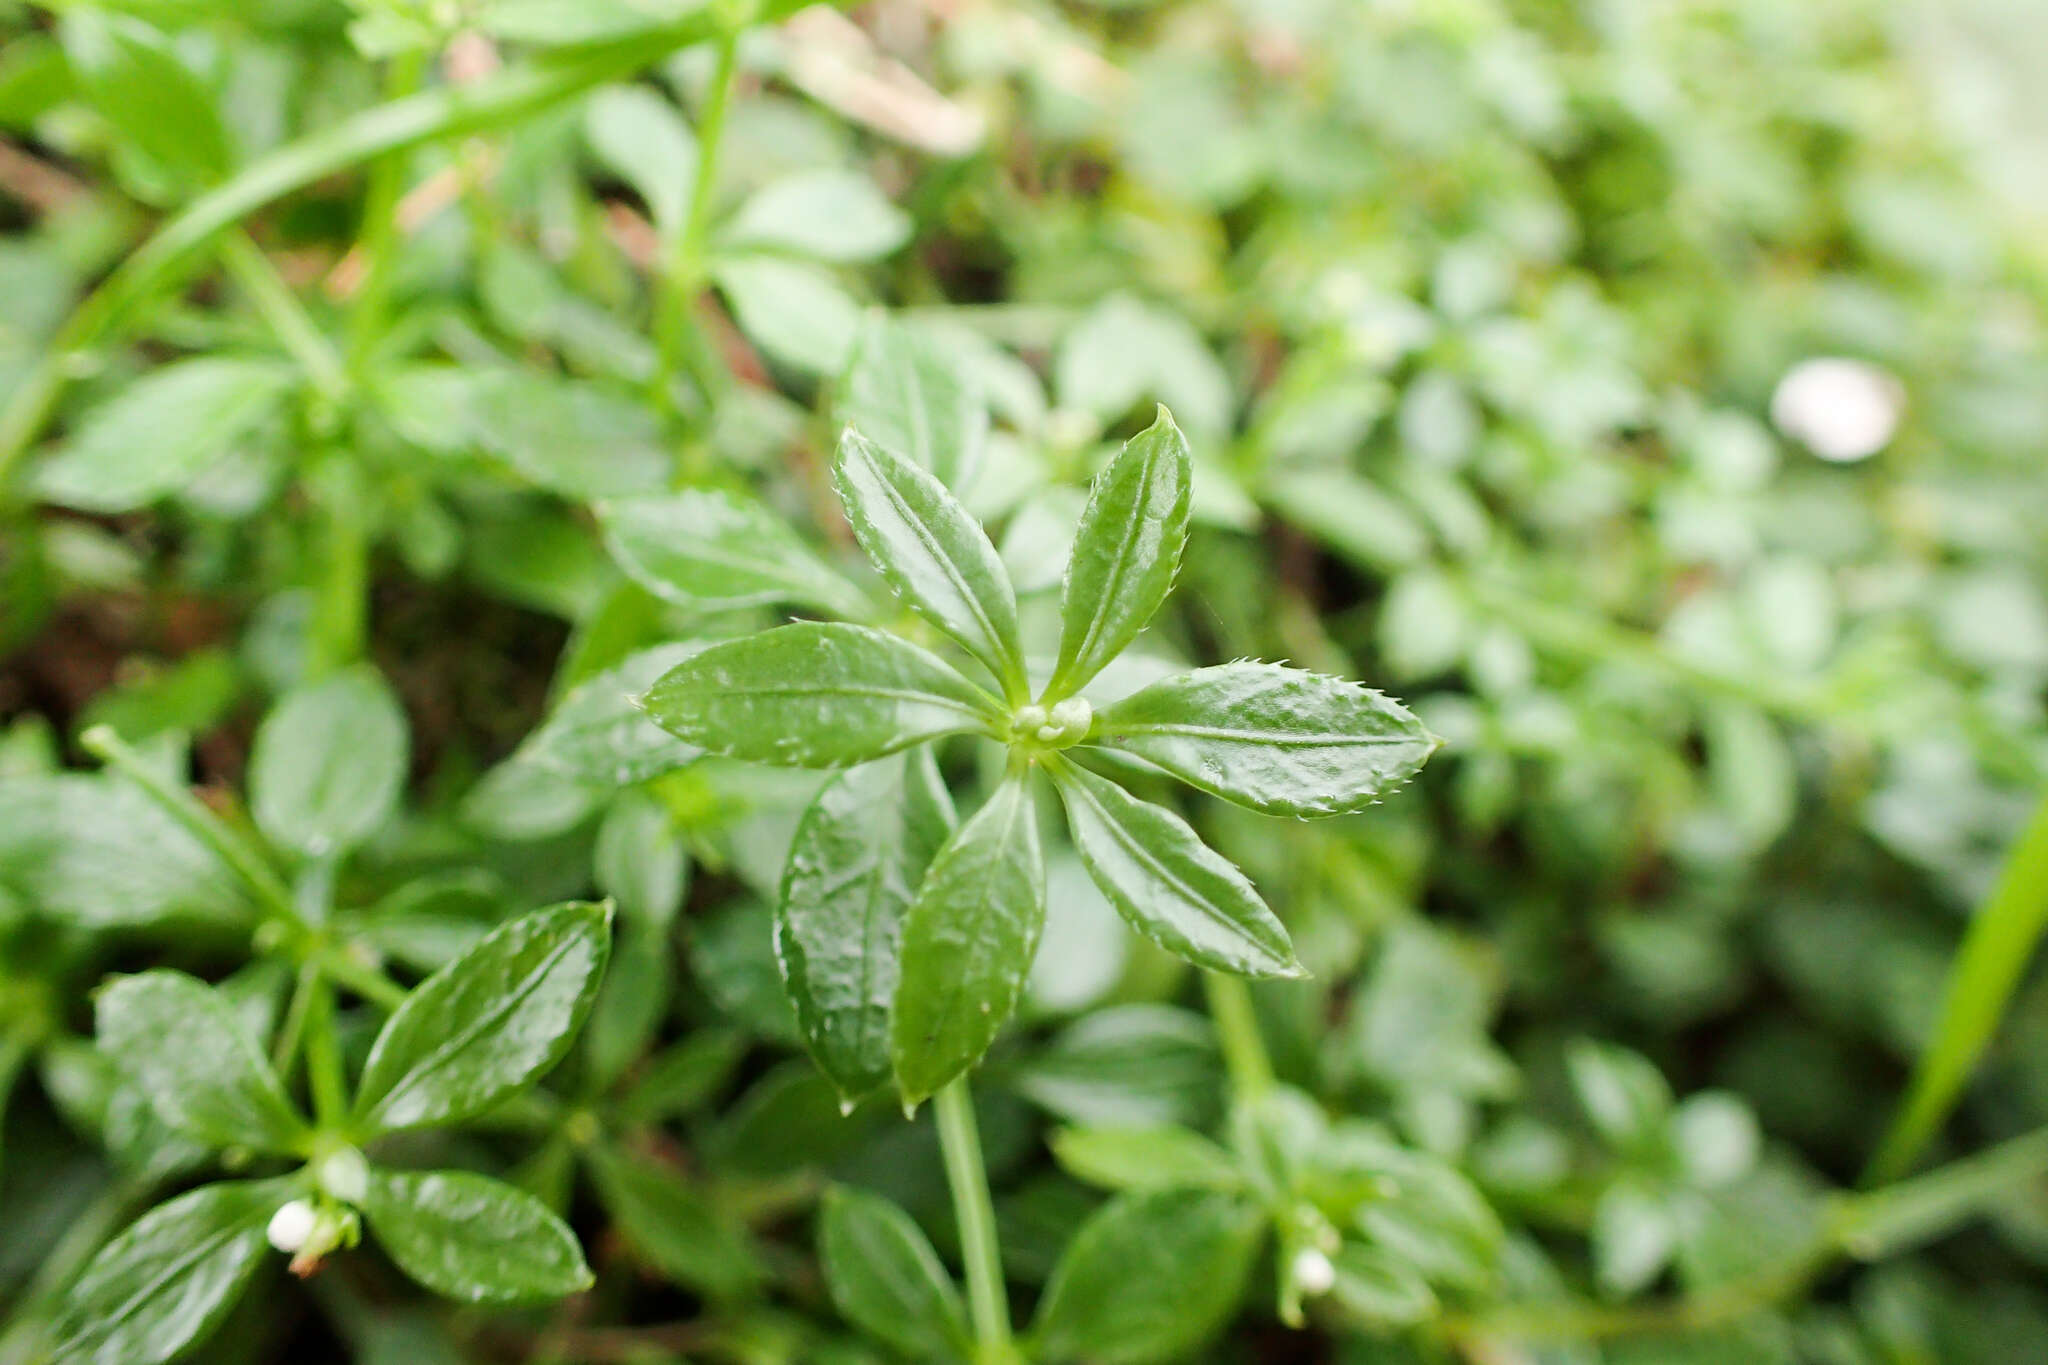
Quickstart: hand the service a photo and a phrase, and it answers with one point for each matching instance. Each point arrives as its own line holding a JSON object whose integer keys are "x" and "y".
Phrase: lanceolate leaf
{"x": 186, "y": 1048}
{"x": 933, "y": 553}
{"x": 1172, "y": 887}
{"x": 1147, "y": 1278}
{"x": 162, "y": 432}
{"x": 168, "y": 1280}
{"x": 675, "y": 1226}
{"x": 641, "y": 138}
{"x": 133, "y": 77}
{"x": 968, "y": 941}
{"x": 472, "y": 1238}
{"x": 488, "y": 1022}
{"x": 886, "y": 1279}
{"x": 816, "y": 695}
{"x": 1126, "y": 552}
{"x": 599, "y": 735}
{"x": 1276, "y": 739}
{"x": 859, "y": 853}
{"x": 908, "y": 393}
{"x": 715, "y": 551}
{"x": 329, "y": 762}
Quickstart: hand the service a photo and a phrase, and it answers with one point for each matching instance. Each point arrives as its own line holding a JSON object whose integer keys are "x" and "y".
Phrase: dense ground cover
{"x": 967, "y": 680}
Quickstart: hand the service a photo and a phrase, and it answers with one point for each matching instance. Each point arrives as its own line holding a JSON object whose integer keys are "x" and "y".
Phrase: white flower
{"x": 1312, "y": 1271}
{"x": 1842, "y": 410}
{"x": 292, "y": 1225}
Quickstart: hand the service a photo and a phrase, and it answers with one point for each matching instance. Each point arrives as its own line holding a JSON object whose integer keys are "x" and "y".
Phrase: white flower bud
{"x": 292, "y": 1225}
{"x": 1312, "y": 1271}
{"x": 1842, "y": 410}
{"x": 343, "y": 1174}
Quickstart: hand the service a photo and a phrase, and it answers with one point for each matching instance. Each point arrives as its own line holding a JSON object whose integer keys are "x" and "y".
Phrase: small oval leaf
{"x": 471, "y": 1238}
{"x": 329, "y": 763}
{"x": 187, "y": 1050}
{"x": 885, "y": 1278}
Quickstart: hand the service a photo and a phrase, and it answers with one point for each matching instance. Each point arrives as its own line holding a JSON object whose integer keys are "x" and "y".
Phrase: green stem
{"x": 372, "y": 985}
{"x": 1987, "y": 967}
{"x": 378, "y": 232}
{"x": 340, "y": 627}
{"x": 295, "y": 329}
{"x": 274, "y": 898}
{"x": 284, "y": 1052}
{"x": 988, "y": 1299}
{"x": 182, "y": 240}
{"x": 684, "y": 278}
{"x": 1237, "y": 1029}
{"x": 323, "y": 1058}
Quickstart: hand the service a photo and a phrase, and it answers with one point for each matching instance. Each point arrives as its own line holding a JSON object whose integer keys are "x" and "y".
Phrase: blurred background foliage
{"x": 1474, "y": 311}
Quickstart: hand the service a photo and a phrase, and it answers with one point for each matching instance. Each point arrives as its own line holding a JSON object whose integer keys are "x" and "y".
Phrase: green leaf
{"x": 1622, "y": 1092}
{"x": 814, "y": 695}
{"x": 1169, "y": 885}
{"x": 568, "y": 23}
{"x": 188, "y": 1051}
{"x": 908, "y": 392}
{"x": 1165, "y": 1157}
{"x": 832, "y": 215}
{"x": 1431, "y": 1218}
{"x": 471, "y": 1238}
{"x": 132, "y": 75}
{"x": 1128, "y": 1066}
{"x": 95, "y": 851}
{"x": 1149, "y": 1277}
{"x": 854, "y": 866}
{"x": 1276, "y": 739}
{"x": 968, "y": 940}
{"x": 162, "y": 431}
{"x": 599, "y": 736}
{"x": 885, "y": 1278}
{"x": 1633, "y": 1235}
{"x": 716, "y": 551}
{"x": 794, "y": 310}
{"x": 487, "y": 1023}
{"x": 1126, "y": 553}
{"x": 675, "y": 1227}
{"x": 165, "y": 1283}
{"x": 574, "y": 437}
{"x": 329, "y": 763}
{"x": 641, "y": 138}
{"x": 1382, "y": 1290}
{"x": 933, "y": 553}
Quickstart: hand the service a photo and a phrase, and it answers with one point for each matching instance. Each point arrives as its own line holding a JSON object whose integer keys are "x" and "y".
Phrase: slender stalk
{"x": 1237, "y": 1029}
{"x": 372, "y": 985}
{"x": 1987, "y": 967}
{"x": 378, "y": 231}
{"x": 295, "y": 329}
{"x": 340, "y": 626}
{"x": 684, "y": 278}
{"x": 284, "y": 1051}
{"x": 988, "y": 1301}
{"x": 323, "y": 1058}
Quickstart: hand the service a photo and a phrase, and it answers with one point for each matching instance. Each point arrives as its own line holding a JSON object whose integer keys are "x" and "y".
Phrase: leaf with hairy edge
{"x": 933, "y": 553}
{"x": 471, "y": 1238}
{"x": 1279, "y": 740}
{"x": 188, "y": 1051}
{"x": 1172, "y": 888}
{"x": 166, "y": 1282}
{"x": 885, "y": 1278}
{"x": 908, "y": 392}
{"x": 717, "y": 551}
{"x": 968, "y": 941}
{"x": 487, "y": 1023}
{"x": 1126, "y": 552}
{"x": 816, "y": 695}
{"x": 859, "y": 853}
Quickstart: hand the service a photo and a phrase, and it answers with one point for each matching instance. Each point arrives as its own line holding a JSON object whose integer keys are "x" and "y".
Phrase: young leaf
{"x": 1147, "y": 1278}
{"x": 933, "y": 553}
{"x": 1165, "y": 1157}
{"x": 908, "y": 393}
{"x": 674, "y": 1227}
{"x": 642, "y": 139}
{"x": 968, "y": 940}
{"x": 471, "y": 1238}
{"x": 859, "y": 852}
{"x": 329, "y": 762}
{"x": 599, "y": 736}
{"x": 885, "y": 1278}
{"x": 166, "y": 1282}
{"x": 1170, "y": 886}
{"x": 833, "y": 215}
{"x": 162, "y": 431}
{"x": 187, "y": 1050}
{"x": 132, "y": 75}
{"x": 716, "y": 551}
{"x": 1276, "y": 739}
{"x": 814, "y": 695}
{"x": 1126, "y": 553}
{"x": 487, "y": 1023}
